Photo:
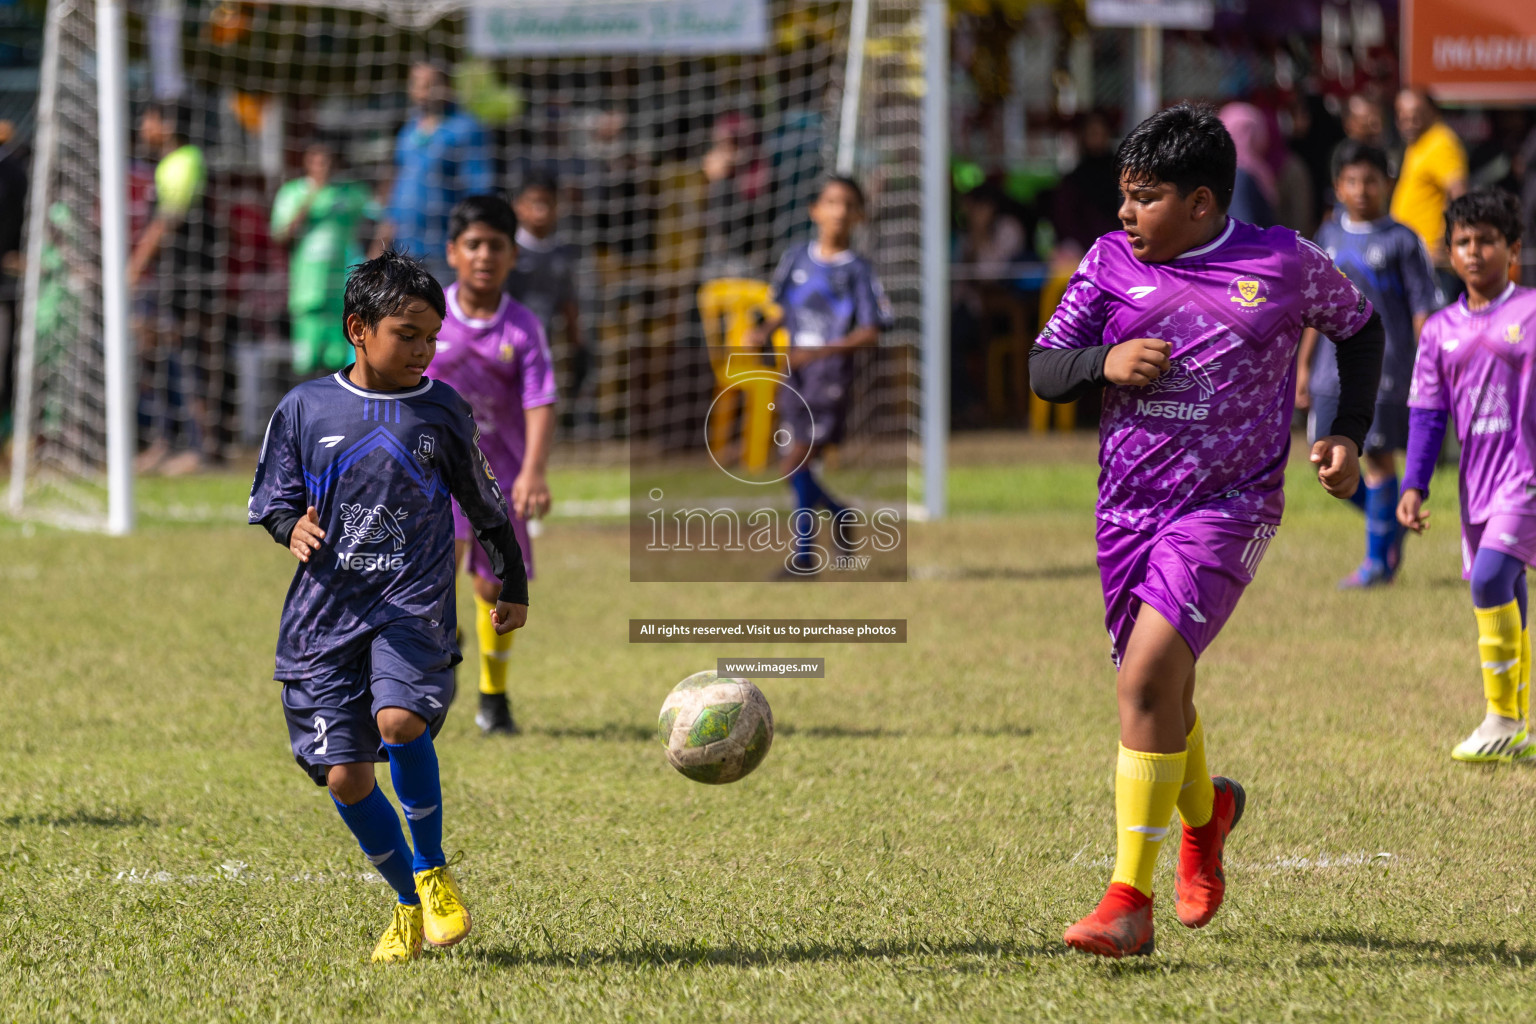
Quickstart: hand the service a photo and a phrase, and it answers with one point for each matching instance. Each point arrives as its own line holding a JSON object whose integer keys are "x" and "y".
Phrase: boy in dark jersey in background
{"x": 832, "y": 304}
{"x": 543, "y": 279}
{"x": 1387, "y": 261}
{"x": 1190, "y": 319}
{"x": 356, "y": 477}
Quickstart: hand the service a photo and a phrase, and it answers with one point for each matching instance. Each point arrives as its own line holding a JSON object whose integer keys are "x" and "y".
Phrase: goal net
{"x": 673, "y": 143}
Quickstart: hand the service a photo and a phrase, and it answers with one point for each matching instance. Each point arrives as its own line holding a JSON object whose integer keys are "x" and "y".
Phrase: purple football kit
{"x": 501, "y": 366}
{"x": 369, "y": 620}
{"x": 1193, "y": 464}
{"x": 1480, "y": 367}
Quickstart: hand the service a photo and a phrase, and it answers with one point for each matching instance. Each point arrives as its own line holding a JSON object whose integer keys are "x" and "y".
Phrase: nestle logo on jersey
{"x": 358, "y": 561}
{"x": 1172, "y": 410}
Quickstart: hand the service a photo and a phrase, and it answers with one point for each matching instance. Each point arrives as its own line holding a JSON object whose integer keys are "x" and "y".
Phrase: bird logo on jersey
{"x": 1247, "y": 292}
{"x": 370, "y": 525}
{"x": 1184, "y": 374}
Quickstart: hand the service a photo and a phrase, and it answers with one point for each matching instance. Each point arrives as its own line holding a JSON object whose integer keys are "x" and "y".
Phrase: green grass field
{"x": 930, "y": 818}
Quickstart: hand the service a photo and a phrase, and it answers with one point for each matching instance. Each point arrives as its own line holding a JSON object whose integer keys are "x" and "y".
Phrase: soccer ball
{"x": 715, "y": 730}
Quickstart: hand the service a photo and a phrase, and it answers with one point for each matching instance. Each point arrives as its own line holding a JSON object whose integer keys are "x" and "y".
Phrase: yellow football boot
{"x": 402, "y": 940}
{"x": 446, "y": 920}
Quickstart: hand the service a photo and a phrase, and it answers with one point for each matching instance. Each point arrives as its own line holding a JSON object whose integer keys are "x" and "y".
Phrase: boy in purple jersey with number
{"x": 357, "y": 477}
{"x": 1477, "y": 363}
{"x": 492, "y": 350}
{"x": 1191, "y": 319}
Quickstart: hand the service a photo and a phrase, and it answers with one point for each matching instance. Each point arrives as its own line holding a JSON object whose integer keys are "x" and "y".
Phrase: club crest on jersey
{"x": 1514, "y": 333}
{"x": 507, "y": 352}
{"x": 370, "y": 525}
{"x": 1247, "y": 292}
{"x": 426, "y": 450}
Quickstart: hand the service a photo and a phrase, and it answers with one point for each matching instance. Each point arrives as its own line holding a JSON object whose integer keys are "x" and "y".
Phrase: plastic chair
{"x": 747, "y": 381}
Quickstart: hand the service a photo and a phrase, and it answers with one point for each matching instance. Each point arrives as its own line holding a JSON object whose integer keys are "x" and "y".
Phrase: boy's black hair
{"x": 1352, "y": 152}
{"x": 386, "y": 285}
{"x": 1185, "y": 146}
{"x": 490, "y": 210}
{"x": 537, "y": 181}
{"x": 1494, "y": 207}
{"x": 847, "y": 183}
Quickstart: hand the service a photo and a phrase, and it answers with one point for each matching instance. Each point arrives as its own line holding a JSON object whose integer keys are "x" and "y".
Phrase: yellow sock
{"x": 494, "y": 649}
{"x": 1525, "y": 673}
{"x": 1197, "y": 797}
{"x": 1146, "y": 789}
{"x": 1499, "y": 644}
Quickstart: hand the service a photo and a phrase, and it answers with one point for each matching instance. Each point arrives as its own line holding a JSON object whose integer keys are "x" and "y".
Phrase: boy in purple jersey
{"x": 1191, "y": 319}
{"x": 355, "y": 478}
{"x": 1477, "y": 362}
{"x": 492, "y": 350}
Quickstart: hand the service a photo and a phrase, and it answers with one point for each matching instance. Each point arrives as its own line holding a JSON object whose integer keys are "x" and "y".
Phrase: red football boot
{"x": 1121, "y": 925}
{"x": 1199, "y": 883}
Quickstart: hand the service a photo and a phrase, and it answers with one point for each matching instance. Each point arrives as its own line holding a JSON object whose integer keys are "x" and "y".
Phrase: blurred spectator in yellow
{"x": 1434, "y": 170}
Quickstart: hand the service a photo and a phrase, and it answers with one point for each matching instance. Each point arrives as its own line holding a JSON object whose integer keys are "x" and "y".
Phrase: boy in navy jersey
{"x": 1388, "y": 263}
{"x": 356, "y": 478}
{"x": 832, "y": 305}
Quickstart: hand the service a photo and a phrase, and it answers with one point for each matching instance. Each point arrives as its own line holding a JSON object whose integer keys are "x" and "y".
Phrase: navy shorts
{"x": 332, "y": 715}
{"x": 813, "y": 403}
{"x": 1389, "y": 425}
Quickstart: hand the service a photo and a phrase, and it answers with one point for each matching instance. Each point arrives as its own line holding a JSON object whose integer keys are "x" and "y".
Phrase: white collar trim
{"x": 528, "y": 240}
{"x": 1466, "y": 310}
{"x": 842, "y": 258}
{"x": 1212, "y": 245}
{"x": 383, "y": 396}
{"x": 452, "y": 295}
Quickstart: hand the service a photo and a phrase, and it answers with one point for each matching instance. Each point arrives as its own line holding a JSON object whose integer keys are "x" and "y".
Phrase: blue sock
{"x": 377, "y": 827}
{"x": 809, "y": 492}
{"x": 1359, "y": 498}
{"x": 1381, "y": 528}
{"x": 413, "y": 767}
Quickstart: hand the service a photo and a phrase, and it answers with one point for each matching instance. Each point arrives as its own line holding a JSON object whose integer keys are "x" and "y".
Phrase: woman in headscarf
{"x": 1254, "y": 192}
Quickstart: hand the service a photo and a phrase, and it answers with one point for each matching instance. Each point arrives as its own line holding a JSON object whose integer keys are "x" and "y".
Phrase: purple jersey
{"x": 501, "y": 366}
{"x": 1481, "y": 368}
{"x": 1213, "y": 433}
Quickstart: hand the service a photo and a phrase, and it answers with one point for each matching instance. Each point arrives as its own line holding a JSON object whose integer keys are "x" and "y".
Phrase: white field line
{"x": 240, "y": 872}
{"x": 1320, "y": 862}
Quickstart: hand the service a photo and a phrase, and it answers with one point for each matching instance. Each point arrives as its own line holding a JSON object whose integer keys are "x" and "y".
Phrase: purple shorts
{"x": 1192, "y": 570}
{"x": 479, "y": 562}
{"x": 1513, "y": 535}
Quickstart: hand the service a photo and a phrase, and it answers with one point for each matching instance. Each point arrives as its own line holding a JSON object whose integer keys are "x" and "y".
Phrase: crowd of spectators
{"x": 1010, "y": 250}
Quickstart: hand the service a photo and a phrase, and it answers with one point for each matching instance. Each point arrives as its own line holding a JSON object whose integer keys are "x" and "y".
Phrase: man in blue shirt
{"x": 441, "y": 157}
{"x": 1388, "y": 263}
{"x": 357, "y": 478}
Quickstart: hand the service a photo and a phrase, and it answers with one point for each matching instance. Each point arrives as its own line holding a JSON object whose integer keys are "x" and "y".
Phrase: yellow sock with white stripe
{"x": 1525, "y": 674}
{"x": 494, "y": 649}
{"x": 1197, "y": 795}
{"x": 1146, "y": 790}
{"x": 1500, "y": 644}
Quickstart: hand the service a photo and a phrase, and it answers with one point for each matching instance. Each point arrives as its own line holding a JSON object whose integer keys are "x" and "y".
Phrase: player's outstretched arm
{"x": 1410, "y": 510}
{"x": 530, "y": 491}
{"x": 1337, "y": 456}
{"x": 1426, "y": 433}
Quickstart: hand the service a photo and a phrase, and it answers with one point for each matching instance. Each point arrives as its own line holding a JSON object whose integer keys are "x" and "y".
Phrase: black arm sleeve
{"x": 280, "y": 525}
{"x": 1359, "y": 357}
{"x": 500, "y": 544}
{"x": 1066, "y": 374}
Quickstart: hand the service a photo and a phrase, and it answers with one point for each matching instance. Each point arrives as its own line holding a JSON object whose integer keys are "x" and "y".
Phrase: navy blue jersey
{"x": 381, "y": 469}
{"x": 824, "y": 301}
{"x": 1388, "y": 263}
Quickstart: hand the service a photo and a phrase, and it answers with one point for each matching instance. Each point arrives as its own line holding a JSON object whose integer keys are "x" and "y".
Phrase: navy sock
{"x": 809, "y": 492}
{"x": 1521, "y": 597}
{"x": 377, "y": 827}
{"x": 413, "y": 767}
{"x": 1381, "y": 528}
{"x": 1358, "y": 499}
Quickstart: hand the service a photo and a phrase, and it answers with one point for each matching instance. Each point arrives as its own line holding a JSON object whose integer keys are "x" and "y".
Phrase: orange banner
{"x": 1471, "y": 51}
